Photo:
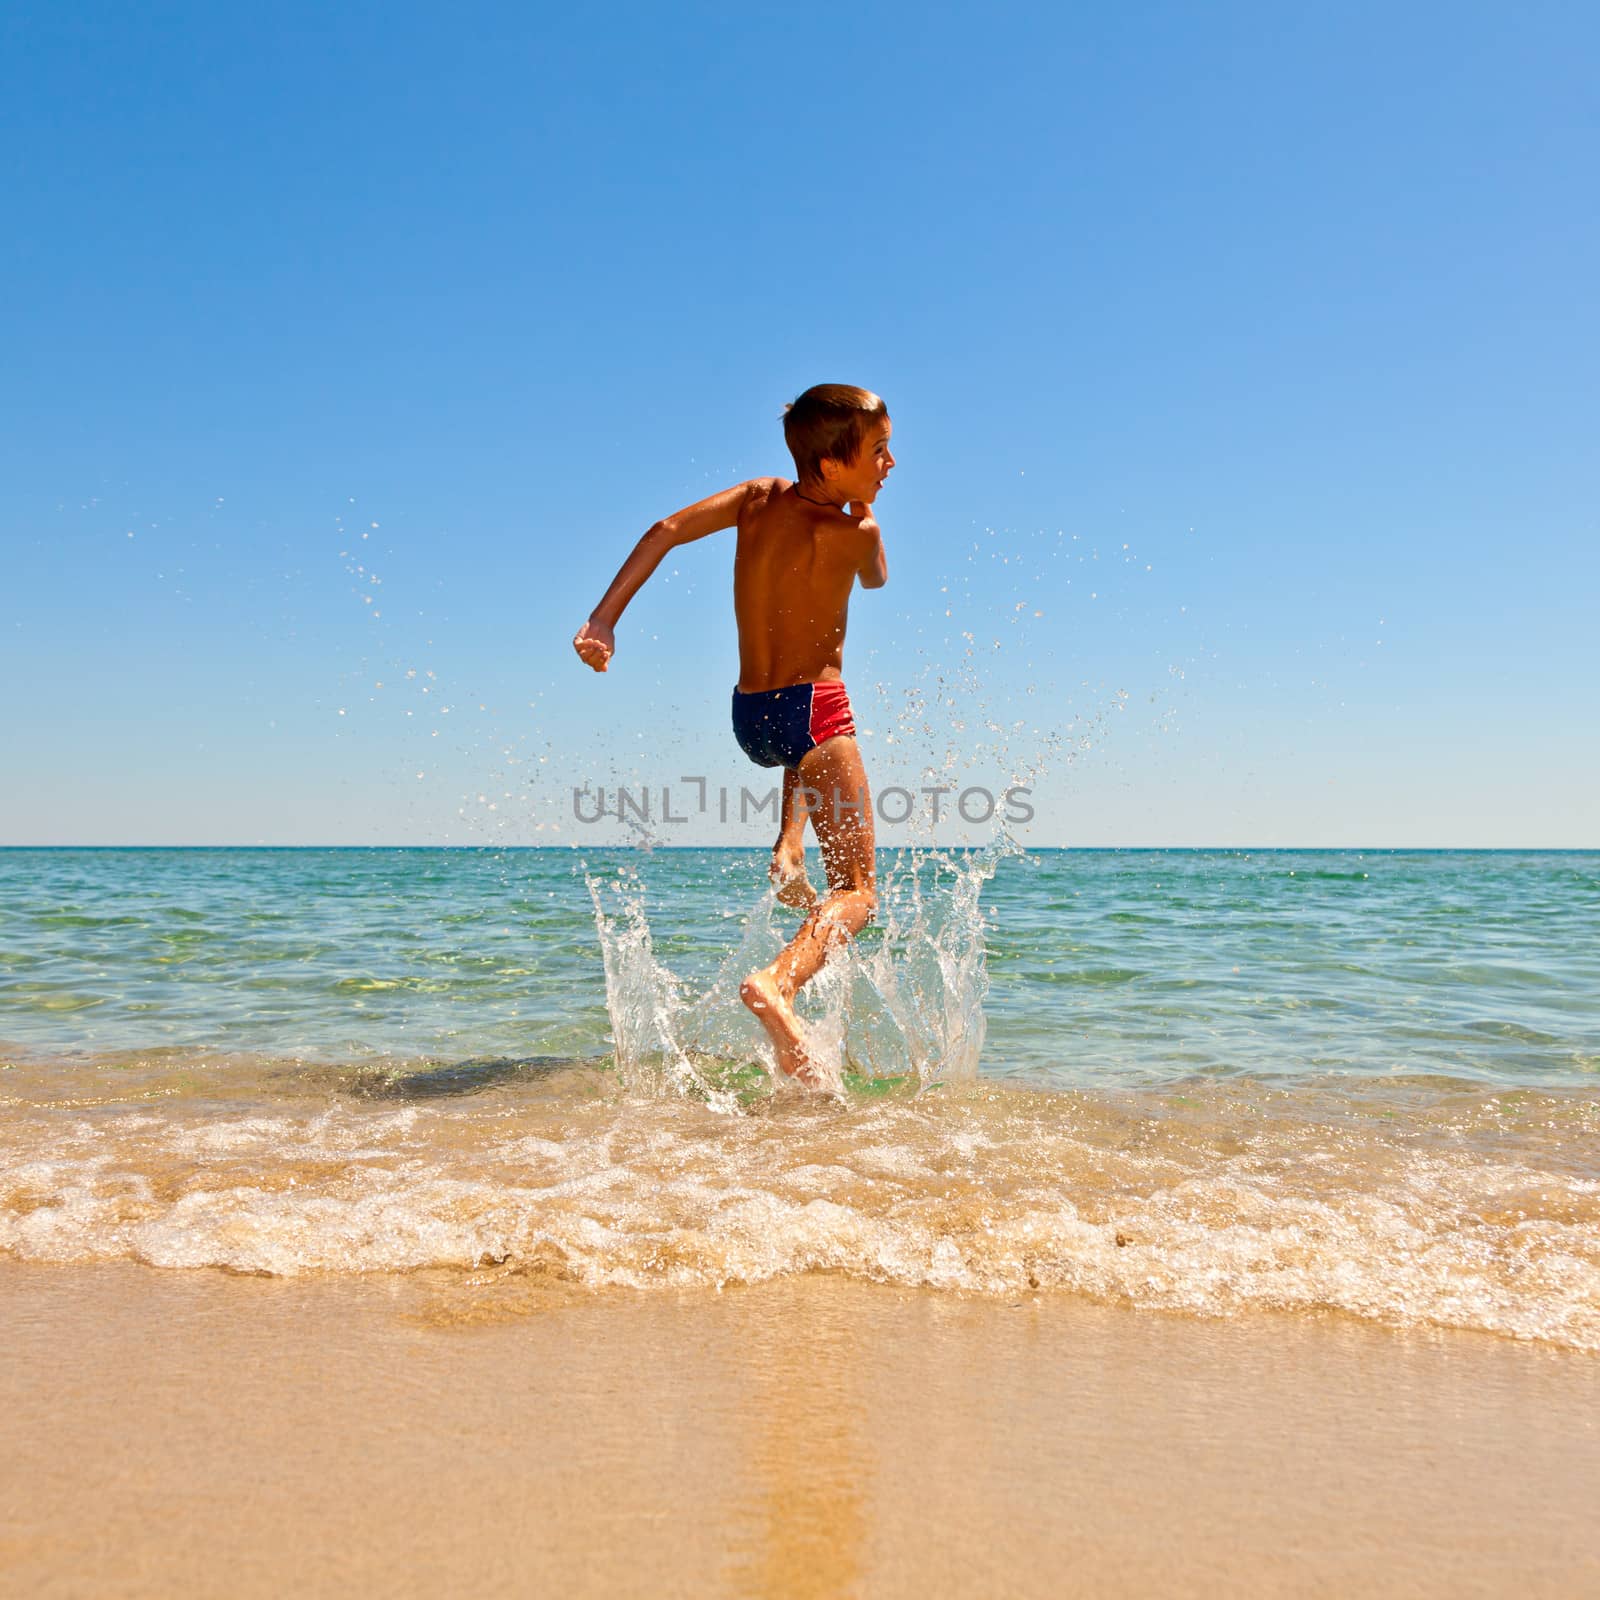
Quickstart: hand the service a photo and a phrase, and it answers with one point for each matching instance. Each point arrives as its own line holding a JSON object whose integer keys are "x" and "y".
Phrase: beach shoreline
{"x": 201, "y": 1432}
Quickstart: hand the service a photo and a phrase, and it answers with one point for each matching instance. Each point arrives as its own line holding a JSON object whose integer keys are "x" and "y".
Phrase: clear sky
{"x": 1243, "y": 361}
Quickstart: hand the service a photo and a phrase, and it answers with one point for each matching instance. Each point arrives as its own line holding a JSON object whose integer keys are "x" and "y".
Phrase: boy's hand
{"x": 595, "y": 644}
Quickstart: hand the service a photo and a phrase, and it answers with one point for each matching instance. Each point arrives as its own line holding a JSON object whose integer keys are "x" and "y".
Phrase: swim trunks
{"x": 776, "y": 727}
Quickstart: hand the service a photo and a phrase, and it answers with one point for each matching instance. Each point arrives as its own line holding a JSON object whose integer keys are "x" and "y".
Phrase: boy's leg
{"x": 788, "y": 870}
{"x": 843, "y": 820}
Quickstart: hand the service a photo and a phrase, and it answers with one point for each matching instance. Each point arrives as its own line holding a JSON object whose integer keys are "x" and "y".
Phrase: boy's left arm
{"x": 595, "y": 641}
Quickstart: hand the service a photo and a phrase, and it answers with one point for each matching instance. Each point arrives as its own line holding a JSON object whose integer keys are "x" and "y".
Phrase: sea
{"x": 1203, "y": 1082}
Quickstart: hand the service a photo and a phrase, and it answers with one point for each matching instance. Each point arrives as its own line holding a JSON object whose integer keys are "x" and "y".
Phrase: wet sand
{"x": 196, "y": 1433}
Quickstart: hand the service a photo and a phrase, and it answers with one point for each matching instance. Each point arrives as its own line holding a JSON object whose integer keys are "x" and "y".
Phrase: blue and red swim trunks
{"x": 776, "y": 727}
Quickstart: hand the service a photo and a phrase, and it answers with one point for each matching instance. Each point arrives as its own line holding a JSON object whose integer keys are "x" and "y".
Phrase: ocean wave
{"x": 1411, "y": 1203}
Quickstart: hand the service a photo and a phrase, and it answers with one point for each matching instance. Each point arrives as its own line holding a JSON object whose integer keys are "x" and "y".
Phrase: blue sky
{"x": 1243, "y": 365}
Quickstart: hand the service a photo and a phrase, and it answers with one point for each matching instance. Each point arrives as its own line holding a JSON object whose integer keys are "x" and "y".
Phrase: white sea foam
{"x": 989, "y": 1192}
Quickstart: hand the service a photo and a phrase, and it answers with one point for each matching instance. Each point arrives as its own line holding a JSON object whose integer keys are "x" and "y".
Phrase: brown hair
{"x": 829, "y": 421}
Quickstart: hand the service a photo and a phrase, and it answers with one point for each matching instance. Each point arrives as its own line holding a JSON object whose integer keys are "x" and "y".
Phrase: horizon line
{"x": 1459, "y": 849}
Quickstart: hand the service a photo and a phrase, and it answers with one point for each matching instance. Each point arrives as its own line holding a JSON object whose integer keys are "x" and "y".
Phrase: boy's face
{"x": 861, "y": 479}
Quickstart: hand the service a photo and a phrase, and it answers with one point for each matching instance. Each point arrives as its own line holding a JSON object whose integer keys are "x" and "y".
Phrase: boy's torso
{"x": 793, "y": 569}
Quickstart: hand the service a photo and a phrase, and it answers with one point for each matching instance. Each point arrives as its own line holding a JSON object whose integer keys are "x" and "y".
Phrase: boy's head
{"x": 828, "y": 423}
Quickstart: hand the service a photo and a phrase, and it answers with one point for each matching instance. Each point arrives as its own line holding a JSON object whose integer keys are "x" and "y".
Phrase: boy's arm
{"x": 874, "y": 569}
{"x": 595, "y": 641}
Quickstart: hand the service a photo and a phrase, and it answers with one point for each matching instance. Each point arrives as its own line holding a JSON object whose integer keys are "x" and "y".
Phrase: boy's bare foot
{"x": 760, "y": 992}
{"x": 789, "y": 881}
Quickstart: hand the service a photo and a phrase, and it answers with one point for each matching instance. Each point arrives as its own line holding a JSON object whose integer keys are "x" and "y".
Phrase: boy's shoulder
{"x": 759, "y": 494}
{"x": 768, "y": 506}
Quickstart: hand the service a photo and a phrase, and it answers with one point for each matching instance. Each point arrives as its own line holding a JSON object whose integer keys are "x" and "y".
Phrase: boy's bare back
{"x": 793, "y": 569}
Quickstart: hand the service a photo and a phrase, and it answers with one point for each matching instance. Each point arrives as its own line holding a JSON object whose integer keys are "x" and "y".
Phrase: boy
{"x": 801, "y": 547}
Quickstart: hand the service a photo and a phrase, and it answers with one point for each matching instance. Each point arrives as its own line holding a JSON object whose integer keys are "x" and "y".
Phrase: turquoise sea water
{"x": 1114, "y": 967}
{"x": 1201, "y": 1080}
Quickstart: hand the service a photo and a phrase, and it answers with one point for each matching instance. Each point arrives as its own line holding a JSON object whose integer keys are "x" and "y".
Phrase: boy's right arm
{"x": 874, "y": 569}
{"x": 595, "y": 641}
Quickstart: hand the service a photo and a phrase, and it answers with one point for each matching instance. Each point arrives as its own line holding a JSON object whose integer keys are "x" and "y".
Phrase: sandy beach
{"x": 203, "y": 1433}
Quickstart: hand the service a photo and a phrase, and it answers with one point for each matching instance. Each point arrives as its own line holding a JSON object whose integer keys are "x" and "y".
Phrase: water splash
{"x": 901, "y": 1007}
{"x": 649, "y": 1013}
{"x": 929, "y": 973}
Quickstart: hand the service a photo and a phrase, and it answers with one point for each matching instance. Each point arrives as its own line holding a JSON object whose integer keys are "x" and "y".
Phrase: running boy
{"x": 801, "y": 547}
